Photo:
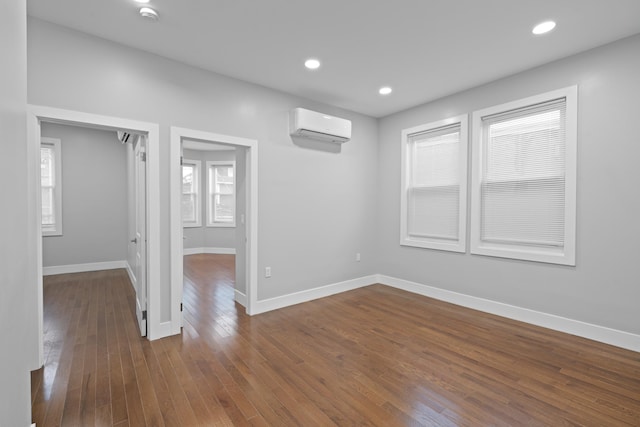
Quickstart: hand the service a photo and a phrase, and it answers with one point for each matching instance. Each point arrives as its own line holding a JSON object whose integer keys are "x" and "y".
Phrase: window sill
{"x": 191, "y": 225}
{"x": 560, "y": 256}
{"x": 51, "y": 233}
{"x": 449, "y": 246}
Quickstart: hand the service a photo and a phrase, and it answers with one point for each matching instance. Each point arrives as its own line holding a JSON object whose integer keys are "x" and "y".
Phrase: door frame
{"x": 177, "y": 252}
{"x": 36, "y": 114}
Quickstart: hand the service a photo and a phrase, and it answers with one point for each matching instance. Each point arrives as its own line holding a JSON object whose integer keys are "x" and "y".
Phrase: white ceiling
{"x": 424, "y": 49}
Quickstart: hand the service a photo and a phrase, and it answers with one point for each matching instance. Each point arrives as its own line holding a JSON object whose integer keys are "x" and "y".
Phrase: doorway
{"x": 246, "y": 227}
{"x": 38, "y": 115}
{"x": 213, "y": 227}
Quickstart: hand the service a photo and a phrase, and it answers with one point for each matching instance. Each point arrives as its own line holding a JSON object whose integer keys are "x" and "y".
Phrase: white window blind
{"x": 435, "y": 189}
{"x": 524, "y": 186}
{"x": 191, "y": 193}
{"x": 221, "y": 206}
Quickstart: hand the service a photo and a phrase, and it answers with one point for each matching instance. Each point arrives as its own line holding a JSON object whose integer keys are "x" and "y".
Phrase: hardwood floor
{"x": 372, "y": 356}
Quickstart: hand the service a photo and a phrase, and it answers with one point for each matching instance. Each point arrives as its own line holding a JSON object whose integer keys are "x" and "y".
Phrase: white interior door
{"x": 182, "y": 233}
{"x": 140, "y": 239}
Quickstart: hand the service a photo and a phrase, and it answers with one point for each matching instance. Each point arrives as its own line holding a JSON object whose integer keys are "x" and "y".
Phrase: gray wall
{"x": 94, "y": 197}
{"x": 603, "y": 287}
{"x": 316, "y": 206}
{"x": 208, "y": 237}
{"x": 17, "y": 298}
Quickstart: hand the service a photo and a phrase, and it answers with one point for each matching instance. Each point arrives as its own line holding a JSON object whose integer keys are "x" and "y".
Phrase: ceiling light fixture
{"x": 312, "y": 64}
{"x": 142, "y": 1}
{"x": 543, "y": 27}
{"x": 386, "y": 90}
{"x": 149, "y": 14}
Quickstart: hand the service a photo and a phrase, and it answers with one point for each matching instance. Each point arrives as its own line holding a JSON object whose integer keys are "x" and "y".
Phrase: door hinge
{"x": 143, "y": 157}
{"x": 144, "y": 314}
{"x": 181, "y": 161}
{"x": 180, "y": 306}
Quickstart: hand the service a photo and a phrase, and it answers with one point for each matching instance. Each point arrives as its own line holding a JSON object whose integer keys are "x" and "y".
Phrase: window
{"x": 191, "y": 211}
{"x": 221, "y": 201}
{"x": 524, "y": 179}
{"x": 51, "y": 186}
{"x": 434, "y": 185}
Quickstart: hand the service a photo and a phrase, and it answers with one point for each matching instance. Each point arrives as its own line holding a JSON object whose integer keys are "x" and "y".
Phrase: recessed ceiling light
{"x": 386, "y": 90}
{"x": 312, "y": 64}
{"x": 142, "y": 1}
{"x": 149, "y": 14}
{"x": 543, "y": 27}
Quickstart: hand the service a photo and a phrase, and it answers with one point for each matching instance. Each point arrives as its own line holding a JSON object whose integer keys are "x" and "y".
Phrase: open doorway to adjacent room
{"x": 93, "y": 205}
{"x": 213, "y": 221}
{"x": 110, "y": 224}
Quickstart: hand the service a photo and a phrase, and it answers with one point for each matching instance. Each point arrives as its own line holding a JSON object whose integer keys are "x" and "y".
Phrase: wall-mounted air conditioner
{"x": 311, "y": 124}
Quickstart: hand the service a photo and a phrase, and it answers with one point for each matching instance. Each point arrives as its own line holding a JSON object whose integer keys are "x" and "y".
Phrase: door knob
{"x": 134, "y": 240}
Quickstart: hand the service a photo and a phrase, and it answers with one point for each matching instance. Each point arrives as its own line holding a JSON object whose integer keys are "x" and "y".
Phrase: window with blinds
{"x": 51, "y": 186}
{"x": 221, "y": 205}
{"x": 434, "y": 185}
{"x": 524, "y": 179}
{"x": 191, "y": 211}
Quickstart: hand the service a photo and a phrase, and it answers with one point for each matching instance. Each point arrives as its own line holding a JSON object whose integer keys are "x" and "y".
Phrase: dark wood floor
{"x": 373, "y": 356}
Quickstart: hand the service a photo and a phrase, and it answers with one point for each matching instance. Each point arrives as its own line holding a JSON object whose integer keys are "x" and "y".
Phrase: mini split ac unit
{"x": 311, "y": 124}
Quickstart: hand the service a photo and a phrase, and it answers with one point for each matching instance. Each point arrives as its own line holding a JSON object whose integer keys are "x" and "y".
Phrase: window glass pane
{"x": 522, "y": 192}
{"x": 224, "y": 188}
{"x": 48, "y": 207}
{"x": 187, "y": 179}
{"x": 433, "y": 198}
{"x": 528, "y": 147}
{"x": 434, "y": 212}
{"x": 529, "y": 212}
{"x": 46, "y": 166}
{"x": 524, "y": 178}
{"x": 436, "y": 159}
{"x": 221, "y": 206}
{"x": 224, "y": 208}
{"x": 188, "y": 207}
{"x": 224, "y": 173}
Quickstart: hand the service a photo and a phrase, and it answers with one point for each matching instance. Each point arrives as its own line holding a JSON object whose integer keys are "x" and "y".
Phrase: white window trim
{"x": 198, "y": 206}
{"x": 209, "y": 164}
{"x": 405, "y": 238}
{"x": 565, "y": 255}
{"x": 56, "y": 230}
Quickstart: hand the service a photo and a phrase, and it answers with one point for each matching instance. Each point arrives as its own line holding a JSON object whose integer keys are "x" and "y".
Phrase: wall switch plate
{"x": 267, "y": 272}
{"x": 358, "y": 257}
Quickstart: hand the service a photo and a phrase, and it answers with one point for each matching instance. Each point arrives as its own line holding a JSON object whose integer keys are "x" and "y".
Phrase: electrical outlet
{"x": 358, "y": 257}
{"x": 267, "y": 272}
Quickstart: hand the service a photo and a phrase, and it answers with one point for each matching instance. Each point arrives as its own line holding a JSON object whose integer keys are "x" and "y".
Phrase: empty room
{"x": 332, "y": 213}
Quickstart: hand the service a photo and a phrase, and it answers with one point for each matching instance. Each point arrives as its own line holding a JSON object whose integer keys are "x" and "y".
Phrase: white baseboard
{"x": 163, "y": 330}
{"x": 241, "y": 298}
{"x": 219, "y": 251}
{"x": 263, "y": 306}
{"x": 574, "y": 327}
{"x": 132, "y": 277}
{"x": 81, "y": 268}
